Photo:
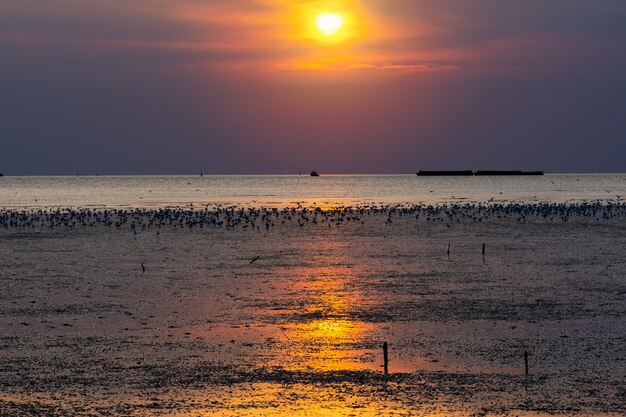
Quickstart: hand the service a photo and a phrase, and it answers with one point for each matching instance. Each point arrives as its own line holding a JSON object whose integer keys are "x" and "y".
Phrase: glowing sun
{"x": 329, "y": 24}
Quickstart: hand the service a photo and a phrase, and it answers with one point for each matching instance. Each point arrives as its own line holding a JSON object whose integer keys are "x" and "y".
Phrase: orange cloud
{"x": 263, "y": 36}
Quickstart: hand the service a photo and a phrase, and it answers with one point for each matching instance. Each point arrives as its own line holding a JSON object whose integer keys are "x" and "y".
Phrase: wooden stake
{"x": 448, "y": 249}
{"x": 526, "y": 361}
{"x": 386, "y": 359}
{"x": 252, "y": 261}
{"x": 483, "y": 249}
{"x": 143, "y": 268}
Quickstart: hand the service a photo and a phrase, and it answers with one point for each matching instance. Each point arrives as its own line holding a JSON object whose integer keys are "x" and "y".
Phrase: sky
{"x": 255, "y": 87}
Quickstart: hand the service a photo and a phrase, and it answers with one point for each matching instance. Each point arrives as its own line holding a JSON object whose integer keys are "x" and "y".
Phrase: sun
{"x": 326, "y": 24}
{"x": 329, "y": 24}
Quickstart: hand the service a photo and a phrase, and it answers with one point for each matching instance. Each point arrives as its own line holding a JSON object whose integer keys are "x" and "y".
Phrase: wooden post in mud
{"x": 483, "y": 249}
{"x": 448, "y": 249}
{"x": 386, "y": 360}
{"x": 526, "y": 361}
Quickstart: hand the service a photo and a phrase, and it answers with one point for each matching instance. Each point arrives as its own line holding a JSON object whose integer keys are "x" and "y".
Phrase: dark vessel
{"x": 314, "y": 174}
{"x": 1, "y": 174}
{"x": 481, "y": 173}
{"x": 484, "y": 173}
{"x": 445, "y": 173}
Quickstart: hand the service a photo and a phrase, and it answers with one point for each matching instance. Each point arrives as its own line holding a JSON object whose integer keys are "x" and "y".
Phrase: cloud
{"x": 261, "y": 35}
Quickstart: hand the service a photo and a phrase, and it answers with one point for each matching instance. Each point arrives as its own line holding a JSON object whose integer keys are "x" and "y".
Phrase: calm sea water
{"x": 289, "y": 190}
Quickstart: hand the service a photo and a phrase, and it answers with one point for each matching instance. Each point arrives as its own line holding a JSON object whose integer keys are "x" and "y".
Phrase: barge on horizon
{"x": 476, "y": 173}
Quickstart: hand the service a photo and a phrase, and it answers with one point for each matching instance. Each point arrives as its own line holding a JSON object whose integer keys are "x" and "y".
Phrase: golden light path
{"x": 326, "y": 339}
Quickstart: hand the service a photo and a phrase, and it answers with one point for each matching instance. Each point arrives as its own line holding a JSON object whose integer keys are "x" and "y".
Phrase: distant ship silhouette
{"x": 508, "y": 173}
{"x": 471, "y": 173}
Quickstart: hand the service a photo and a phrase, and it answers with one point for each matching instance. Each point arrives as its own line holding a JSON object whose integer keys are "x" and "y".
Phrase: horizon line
{"x": 307, "y": 174}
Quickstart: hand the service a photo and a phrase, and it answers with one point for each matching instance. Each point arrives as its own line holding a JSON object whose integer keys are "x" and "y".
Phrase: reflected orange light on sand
{"x": 310, "y": 401}
{"x": 328, "y": 341}
{"x": 328, "y": 335}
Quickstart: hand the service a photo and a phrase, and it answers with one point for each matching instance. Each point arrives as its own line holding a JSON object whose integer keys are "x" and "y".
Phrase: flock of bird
{"x": 268, "y": 218}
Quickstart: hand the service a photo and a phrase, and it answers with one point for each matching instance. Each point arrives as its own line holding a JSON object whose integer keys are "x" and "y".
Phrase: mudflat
{"x": 289, "y": 320}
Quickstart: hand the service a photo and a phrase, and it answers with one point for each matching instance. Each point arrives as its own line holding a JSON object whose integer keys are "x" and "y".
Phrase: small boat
{"x": 1, "y": 174}
{"x": 314, "y": 174}
{"x": 445, "y": 173}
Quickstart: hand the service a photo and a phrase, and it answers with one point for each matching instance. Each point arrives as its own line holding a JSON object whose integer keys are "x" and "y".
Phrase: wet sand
{"x": 298, "y": 332}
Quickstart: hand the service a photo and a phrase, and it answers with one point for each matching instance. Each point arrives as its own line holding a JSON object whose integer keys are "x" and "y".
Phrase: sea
{"x": 153, "y": 192}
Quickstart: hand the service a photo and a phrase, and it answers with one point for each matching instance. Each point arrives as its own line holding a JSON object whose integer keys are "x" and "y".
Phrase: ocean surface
{"x": 290, "y": 190}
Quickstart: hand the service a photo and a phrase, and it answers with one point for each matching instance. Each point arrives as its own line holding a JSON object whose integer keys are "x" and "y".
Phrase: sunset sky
{"x": 257, "y": 86}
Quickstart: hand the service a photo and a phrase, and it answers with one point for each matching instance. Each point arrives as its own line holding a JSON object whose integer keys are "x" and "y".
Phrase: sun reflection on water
{"x": 327, "y": 336}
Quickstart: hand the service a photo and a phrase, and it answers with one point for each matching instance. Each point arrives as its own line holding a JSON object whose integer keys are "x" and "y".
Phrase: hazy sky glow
{"x": 252, "y": 86}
